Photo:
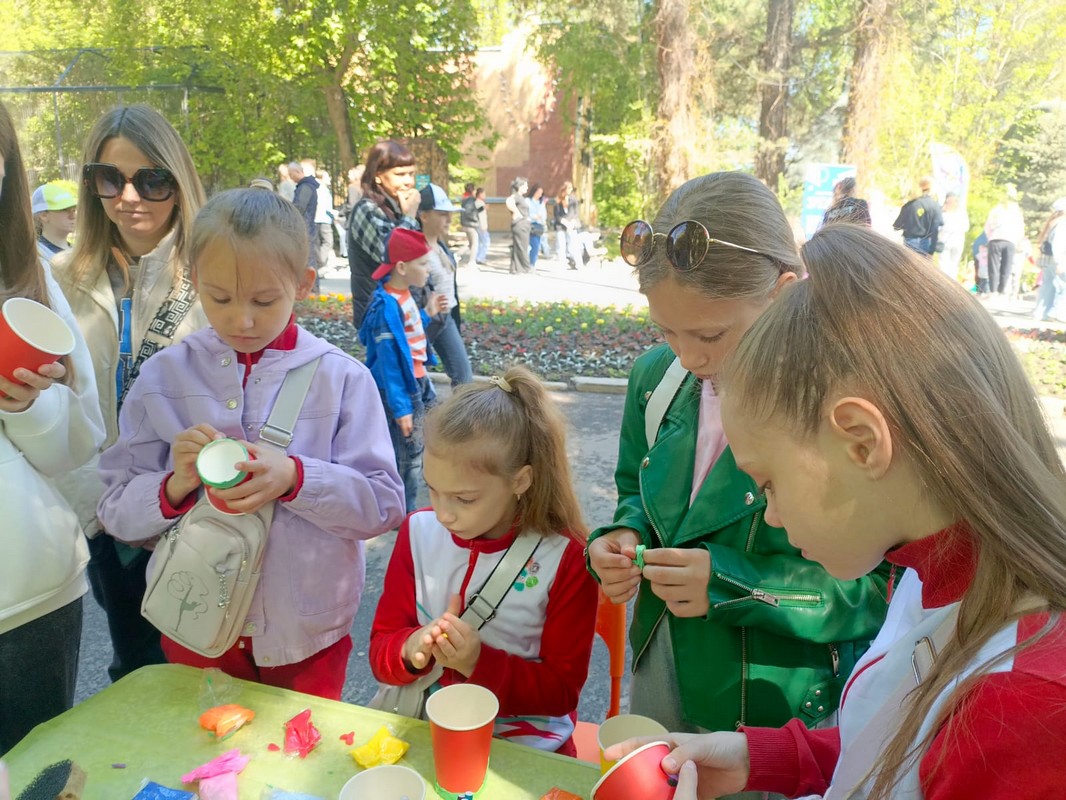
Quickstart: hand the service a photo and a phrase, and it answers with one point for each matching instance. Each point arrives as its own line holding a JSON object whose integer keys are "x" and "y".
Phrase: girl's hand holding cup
{"x": 721, "y": 759}
{"x": 18, "y": 396}
{"x": 271, "y": 474}
{"x": 186, "y": 447}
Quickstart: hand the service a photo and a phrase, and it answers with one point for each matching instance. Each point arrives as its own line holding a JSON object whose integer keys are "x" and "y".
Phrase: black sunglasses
{"x": 687, "y": 244}
{"x": 154, "y": 184}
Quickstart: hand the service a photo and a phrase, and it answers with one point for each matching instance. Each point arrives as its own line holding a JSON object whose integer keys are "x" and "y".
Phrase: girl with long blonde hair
{"x": 843, "y": 403}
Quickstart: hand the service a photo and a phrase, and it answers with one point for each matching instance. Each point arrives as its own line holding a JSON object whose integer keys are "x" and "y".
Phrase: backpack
{"x": 205, "y": 569}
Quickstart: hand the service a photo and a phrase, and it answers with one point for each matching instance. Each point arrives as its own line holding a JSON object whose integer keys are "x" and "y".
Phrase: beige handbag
{"x": 204, "y": 571}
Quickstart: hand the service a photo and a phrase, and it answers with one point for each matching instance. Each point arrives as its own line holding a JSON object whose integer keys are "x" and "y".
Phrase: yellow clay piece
{"x": 383, "y": 748}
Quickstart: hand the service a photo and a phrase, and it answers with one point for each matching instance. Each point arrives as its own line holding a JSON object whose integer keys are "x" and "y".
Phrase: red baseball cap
{"x": 403, "y": 245}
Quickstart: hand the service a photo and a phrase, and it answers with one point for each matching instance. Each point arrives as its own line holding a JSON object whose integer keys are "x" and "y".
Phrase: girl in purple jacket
{"x": 336, "y": 487}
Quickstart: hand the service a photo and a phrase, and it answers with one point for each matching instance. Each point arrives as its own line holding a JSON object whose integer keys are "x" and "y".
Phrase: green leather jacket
{"x": 781, "y": 635}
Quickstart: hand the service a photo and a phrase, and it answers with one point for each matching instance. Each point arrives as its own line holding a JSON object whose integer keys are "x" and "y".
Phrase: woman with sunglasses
{"x": 128, "y": 284}
{"x": 732, "y": 626}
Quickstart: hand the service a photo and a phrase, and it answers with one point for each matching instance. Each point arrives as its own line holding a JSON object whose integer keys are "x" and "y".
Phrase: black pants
{"x": 1000, "y": 264}
{"x": 38, "y": 672}
{"x": 520, "y": 246}
{"x": 119, "y": 589}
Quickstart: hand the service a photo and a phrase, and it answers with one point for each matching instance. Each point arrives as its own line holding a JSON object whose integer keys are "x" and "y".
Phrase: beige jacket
{"x": 94, "y": 307}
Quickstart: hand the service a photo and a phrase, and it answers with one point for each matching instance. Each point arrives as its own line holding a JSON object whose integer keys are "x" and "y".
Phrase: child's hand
{"x": 406, "y": 424}
{"x": 273, "y": 474}
{"x": 186, "y": 447}
{"x": 456, "y": 645}
{"x": 15, "y": 397}
{"x": 611, "y": 556}
{"x": 437, "y": 304}
{"x": 680, "y": 577}
{"x": 418, "y": 649}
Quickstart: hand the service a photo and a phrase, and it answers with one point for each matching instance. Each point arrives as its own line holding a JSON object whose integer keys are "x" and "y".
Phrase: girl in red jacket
{"x": 885, "y": 416}
{"x": 495, "y": 464}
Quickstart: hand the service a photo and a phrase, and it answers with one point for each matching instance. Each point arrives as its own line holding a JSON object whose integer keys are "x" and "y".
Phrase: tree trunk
{"x": 337, "y": 105}
{"x": 773, "y": 90}
{"x": 676, "y": 52}
{"x": 872, "y": 40}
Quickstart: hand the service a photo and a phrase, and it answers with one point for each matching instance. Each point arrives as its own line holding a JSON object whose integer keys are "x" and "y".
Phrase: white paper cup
{"x": 387, "y": 782}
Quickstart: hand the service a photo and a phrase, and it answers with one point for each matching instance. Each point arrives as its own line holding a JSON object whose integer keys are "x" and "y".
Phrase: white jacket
{"x": 44, "y": 553}
{"x": 95, "y": 309}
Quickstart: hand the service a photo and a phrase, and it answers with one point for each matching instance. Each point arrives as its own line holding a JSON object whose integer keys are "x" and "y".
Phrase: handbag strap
{"x": 661, "y": 399}
{"x": 278, "y": 430}
{"x": 481, "y": 607}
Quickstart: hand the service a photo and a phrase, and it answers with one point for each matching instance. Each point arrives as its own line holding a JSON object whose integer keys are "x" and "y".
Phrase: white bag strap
{"x": 661, "y": 399}
{"x": 280, "y": 424}
{"x": 864, "y": 751}
{"x": 482, "y": 606}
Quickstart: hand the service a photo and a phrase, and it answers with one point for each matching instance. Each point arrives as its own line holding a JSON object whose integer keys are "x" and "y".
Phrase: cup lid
{"x": 215, "y": 463}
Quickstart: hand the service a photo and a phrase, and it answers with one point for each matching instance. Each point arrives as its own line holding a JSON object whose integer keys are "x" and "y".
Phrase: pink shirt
{"x": 710, "y": 438}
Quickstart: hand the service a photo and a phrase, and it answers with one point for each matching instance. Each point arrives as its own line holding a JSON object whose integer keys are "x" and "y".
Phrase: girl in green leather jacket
{"x": 732, "y": 625}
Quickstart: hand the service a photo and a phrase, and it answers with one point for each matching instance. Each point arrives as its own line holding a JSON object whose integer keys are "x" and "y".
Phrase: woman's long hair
{"x": 875, "y": 320}
{"x": 20, "y": 265}
{"x": 95, "y": 234}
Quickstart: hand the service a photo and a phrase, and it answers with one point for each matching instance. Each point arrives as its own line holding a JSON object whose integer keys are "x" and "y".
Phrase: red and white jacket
{"x": 534, "y": 652}
{"x": 1007, "y": 740}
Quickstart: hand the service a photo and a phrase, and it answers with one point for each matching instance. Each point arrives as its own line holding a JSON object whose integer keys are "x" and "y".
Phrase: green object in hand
{"x": 639, "y": 558}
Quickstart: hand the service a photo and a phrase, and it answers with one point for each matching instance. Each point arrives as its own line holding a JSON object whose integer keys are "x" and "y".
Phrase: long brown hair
{"x": 736, "y": 208}
{"x": 381, "y": 157}
{"x": 874, "y": 319}
{"x": 95, "y": 234}
{"x": 19, "y": 263}
{"x": 521, "y": 426}
{"x": 1051, "y": 222}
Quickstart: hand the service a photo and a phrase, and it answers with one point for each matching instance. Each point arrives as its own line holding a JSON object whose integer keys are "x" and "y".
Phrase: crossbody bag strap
{"x": 279, "y": 427}
{"x": 661, "y": 398}
{"x": 865, "y": 750}
{"x": 481, "y": 607}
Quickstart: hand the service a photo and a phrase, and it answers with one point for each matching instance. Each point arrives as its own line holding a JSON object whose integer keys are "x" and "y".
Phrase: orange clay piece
{"x": 224, "y": 720}
{"x": 560, "y": 794}
{"x": 383, "y": 748}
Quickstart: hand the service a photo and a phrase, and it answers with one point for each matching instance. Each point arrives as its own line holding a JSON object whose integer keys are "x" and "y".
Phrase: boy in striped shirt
{"x": 397, "y": 353}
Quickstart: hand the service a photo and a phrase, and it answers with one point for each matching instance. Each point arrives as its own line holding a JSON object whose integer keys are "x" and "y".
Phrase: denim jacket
{"x": 388, "y": 355}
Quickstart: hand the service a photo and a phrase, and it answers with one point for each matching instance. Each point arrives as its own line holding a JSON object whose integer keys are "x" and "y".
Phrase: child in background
{"x": 397, "y": 352}
{"x": 842, "y": 403}
{"x": 496, "y": 467}
{"x": 338, "y": 485}
{"x": 55, "y": 209}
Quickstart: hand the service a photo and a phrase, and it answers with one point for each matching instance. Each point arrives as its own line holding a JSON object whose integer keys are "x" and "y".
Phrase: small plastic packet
{"x": 150, "y": 790}
{"x": 223, "y": 721}
{"x": 217, "y": 689}
{"x": 301, "y": 736}
{"x": 383, "y": 748}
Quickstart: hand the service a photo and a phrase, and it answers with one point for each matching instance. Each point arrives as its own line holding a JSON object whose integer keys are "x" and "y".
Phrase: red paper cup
{"x": 31, "y": 335}
{"x": 215, "y": 463}
{"x": 387, "y": 782}
{"x": 461, "y": 717}
{"x": 640, "y": 774}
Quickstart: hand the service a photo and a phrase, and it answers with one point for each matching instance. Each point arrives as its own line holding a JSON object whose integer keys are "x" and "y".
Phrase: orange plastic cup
{"x": 461, "y": 718}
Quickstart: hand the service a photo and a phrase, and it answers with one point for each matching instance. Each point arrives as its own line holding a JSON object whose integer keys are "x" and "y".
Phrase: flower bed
{"x": 561, "y": 340}
{"x": 556, "y": 340}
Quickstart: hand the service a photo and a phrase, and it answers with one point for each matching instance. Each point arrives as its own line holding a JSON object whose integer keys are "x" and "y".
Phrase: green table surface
{"x": 149, "y": 722}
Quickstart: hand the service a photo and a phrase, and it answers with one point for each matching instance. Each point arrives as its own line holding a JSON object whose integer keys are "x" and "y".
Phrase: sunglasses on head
{"x": 687, "y": 244}
{"x": 106, "y": 181}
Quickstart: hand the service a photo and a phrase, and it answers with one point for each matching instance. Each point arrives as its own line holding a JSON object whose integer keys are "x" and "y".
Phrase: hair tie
{"x": 496, "y": 380}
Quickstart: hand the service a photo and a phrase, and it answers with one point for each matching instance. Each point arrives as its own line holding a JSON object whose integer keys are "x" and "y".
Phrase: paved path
{"x": 594, "y": 418}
